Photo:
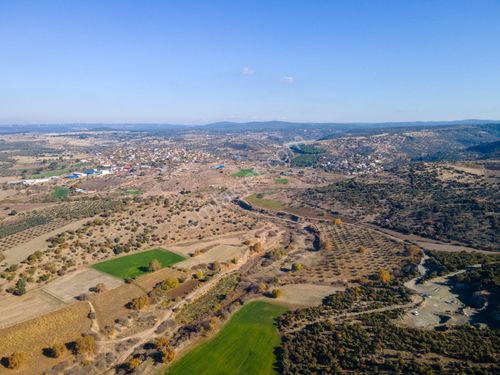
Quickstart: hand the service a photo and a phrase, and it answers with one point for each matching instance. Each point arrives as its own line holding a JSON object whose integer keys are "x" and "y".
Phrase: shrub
{"x": 296, "y": 266}
{"x": 85, "y": 344}
{"x": 198, "y": 275}
{"x": 413, "y": 252}
{"x": 154, "y": 265}
{"x": 261, "y": 288}
{"x": 133, "y": 363}
{"x": 15, "y": 360}
{"x": 161, "y": 342}
{"x": 257, "y": 247}
{"x": 276, "y": 293}
{"x": 167, "y": 354}
{"x": 56, "y": 350}
{"x": 20, "y": 288}
{"x": 212, "y": 324}
{"x": 384, "y": 276}
{"x": 170, "y": 283}
{"x": 216, "y": 266}
{"x": 140, "y": 303}
{"x": 275, "y": 254}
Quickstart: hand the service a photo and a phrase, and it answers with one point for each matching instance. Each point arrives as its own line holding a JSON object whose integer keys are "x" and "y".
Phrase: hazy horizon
{"x": 97, "y": 123}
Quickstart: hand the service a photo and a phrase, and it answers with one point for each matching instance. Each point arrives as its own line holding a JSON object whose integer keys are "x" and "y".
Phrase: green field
{"x": 50, "y": 173}
{"x": 281, "y": 180}
{"x": 137, "y": 264}
{"x": 259, "y": 201}
{"x": 245, "y": 173}
{"x": 60, "y": 192}
{"x": 58, "y": 171}
{"x": 245, "y": 345}
{"x": 133, "y": 191}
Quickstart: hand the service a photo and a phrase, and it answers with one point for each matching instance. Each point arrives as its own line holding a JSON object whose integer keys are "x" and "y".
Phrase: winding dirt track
{"x": 417, "y": 301}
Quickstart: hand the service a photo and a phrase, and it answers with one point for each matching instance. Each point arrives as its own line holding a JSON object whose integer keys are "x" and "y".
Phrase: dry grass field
{"x": 303, "y": 295}
{"x": 111, "y": 305}
{"x": 31, "y": 337}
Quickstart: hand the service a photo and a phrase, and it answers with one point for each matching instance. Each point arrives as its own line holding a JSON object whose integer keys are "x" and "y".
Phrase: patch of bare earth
{"x": 303, "y": 295}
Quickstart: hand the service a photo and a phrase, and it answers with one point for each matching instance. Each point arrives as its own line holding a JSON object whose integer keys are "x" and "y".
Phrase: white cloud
{"x": 288, "y": 80}
{"x": 247, "y": 71}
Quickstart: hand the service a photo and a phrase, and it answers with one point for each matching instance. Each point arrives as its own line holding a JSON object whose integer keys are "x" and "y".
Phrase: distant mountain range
{"x": 230, "y": 126}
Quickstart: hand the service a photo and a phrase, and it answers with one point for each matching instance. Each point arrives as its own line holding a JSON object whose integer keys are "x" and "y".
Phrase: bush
{"x": 56, "y": 350}
{"x": 261, "y": 288}
{"x": 133, "y": 363}
{"x": 362, "y": 250}
{"x": 161, "y": 342}
{"x": 170, "y": 284}
{"x": 296, "y": 266}
{"x": 198, "y": 275}
{"x": 212, "y": 324}
{"x": 384, "y": 276}
{"x": 140, "y": 302}
{"x": 167, "y": 354}
{"x": 257, "y": 247}
{"x": 154, "y": 265}
{"x": 85, "y": 344}
{"x": 20, "y": 288}
{"x": 216, "y": 266}
{"x": 276, "y": 293}
{"x": 15, "y": 360}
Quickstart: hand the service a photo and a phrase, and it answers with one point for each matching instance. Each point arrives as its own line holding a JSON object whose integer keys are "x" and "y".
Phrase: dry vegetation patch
{"x": 112, "y": 304}
{"x": 31, "y": 337}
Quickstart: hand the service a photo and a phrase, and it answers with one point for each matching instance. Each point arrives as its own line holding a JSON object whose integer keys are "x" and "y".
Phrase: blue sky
{"x": 204, "y": 61}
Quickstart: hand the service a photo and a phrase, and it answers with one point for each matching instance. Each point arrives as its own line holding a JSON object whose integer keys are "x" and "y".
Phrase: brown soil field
{"x": 303, "y": 295}
{"x": 102, "y": 183}
{"x": 184, "y": 289}
{"x": 110, "y": 305}
{"x": 220, "y": 253}
{"x": 31, "y": 337}
{"x": 14, "y": 309}
{"x": 67, "y": 288}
